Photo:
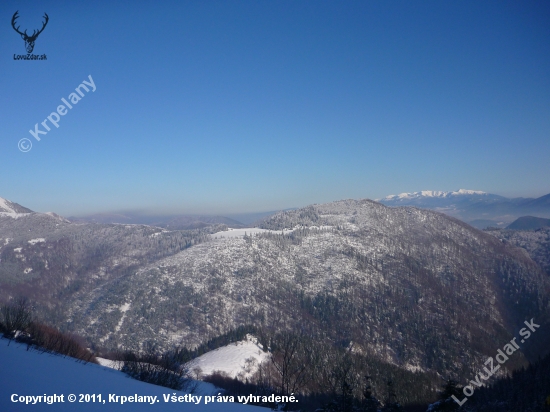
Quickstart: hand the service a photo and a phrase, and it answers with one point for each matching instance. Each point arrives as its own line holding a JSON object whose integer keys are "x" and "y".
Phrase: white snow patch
{"x": 231, "y": 233}
{"x": 237, "y": 360}
{"x": 35, "y": 241}
{"x": 27, "y": 271}
{"x": 17, "y": 249}
{"x": 235, "y": 233}
{"x": 123, "y": 308}
{"x": 13, "y": 215}
{"x": 413, "y": 368}
{"x": 108, "y": 363}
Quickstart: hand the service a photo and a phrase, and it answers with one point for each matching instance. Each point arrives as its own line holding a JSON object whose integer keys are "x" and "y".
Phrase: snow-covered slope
{"x": 230, "y": 233}
{"x": 236, "y": 360}
{"x": 31, "y": 373}
{"x": 11, "y": 209}
{"x": 240, "y": 359}
{"x": 351, "y": 269}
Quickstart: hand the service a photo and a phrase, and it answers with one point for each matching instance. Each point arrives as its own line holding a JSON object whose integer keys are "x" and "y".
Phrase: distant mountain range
{"x": 475, "y": 207}
{"x": 171, "y": 222}
{"x": 176, "y": 222}
{"x": 479, "y": 209}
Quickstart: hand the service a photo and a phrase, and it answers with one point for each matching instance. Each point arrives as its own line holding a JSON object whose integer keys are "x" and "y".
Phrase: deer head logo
{"x": 29, "y": 40}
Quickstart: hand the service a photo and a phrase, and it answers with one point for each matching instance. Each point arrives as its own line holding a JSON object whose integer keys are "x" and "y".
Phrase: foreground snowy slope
{"x": 30, "y": 373}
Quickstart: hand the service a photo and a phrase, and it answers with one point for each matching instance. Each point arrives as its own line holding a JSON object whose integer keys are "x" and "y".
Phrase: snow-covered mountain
{"x": 409, "y": 288}
{"x": 478, "y": 208}
{"x": 383, "y": 278}
{"x": 433, "y": 193}
{"x": 12, "y": 208}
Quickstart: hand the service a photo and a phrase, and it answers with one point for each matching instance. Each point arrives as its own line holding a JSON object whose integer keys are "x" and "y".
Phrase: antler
{"x": 15, "y": 16}
{"x": 34, "y": 33}
{"x": 43, "y": 25}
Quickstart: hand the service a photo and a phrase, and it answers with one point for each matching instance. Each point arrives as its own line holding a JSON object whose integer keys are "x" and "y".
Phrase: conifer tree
{"x": 369, "y": 402}
{"x": 446, "y": 401}
{"x": 391, "y": 404}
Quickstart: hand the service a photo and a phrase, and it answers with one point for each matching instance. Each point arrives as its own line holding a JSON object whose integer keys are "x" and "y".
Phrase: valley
{"x": 404, "y": 287}
{"x": 408, "y": 291}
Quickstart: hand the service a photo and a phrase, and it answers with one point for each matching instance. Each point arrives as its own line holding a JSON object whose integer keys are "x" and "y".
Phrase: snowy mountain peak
{"x": 56, "y": 216}
{"x": 433, "y": 193}
{"x": 9, "y": 207}
{"x": 469, "y": 192}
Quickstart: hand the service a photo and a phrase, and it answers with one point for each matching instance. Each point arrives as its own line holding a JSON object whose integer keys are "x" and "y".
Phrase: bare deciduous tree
{"x": 15, "y": 316}
{"x": 289, "y": 360}
{"x": 159, "y": 369}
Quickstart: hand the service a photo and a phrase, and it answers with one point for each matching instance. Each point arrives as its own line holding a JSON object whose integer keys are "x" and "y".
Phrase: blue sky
{"x": 240, "y": 106}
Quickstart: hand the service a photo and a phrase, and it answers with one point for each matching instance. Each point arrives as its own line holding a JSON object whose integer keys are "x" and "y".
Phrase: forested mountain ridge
{"x": 528, "y": 223}
{"x": 51, "y": 260}
{"x": 411, "y": 287}
{"x": 403, "y": 286}
{"x": 535, "y": 242}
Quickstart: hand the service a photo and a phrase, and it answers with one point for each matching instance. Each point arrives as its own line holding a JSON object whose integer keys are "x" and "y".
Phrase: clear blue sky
{"x": 237, "y": 106}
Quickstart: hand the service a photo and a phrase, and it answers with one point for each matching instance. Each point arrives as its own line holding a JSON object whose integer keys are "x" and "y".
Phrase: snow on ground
{"x": 5, "y": 206}
{"x": 123, "y": 308}
{"x": 108, "y": 363}
{"x": 238, "y": 232}
{"x": 158, "y": 233}
{"x": 31, "y": 373}
{"x": 240, "y": 359}
{"x": 35, "y": 241}
{"x": 232, "y": 233}
{"x": 13, "y": 215}
{"x": 7, "y": 209}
